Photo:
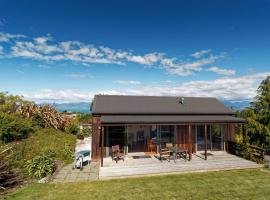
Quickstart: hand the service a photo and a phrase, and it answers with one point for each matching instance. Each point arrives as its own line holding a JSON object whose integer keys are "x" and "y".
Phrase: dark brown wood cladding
{"x": 182, "y": 139}
{"x": 231, "y": 132}
{"x": 96, "y": 138}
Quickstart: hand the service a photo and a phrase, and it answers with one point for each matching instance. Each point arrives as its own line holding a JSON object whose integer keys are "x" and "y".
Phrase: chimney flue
{"x": 182, "y": 100}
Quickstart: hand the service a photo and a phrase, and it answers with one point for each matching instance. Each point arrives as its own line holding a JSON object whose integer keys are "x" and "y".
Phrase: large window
{"x": 167, "y": 134}
{"x": 201, "y": 139}
{"x": 137, "y": 136}
{"x": 215, "y": 135}
{"x": 116, "y": 135}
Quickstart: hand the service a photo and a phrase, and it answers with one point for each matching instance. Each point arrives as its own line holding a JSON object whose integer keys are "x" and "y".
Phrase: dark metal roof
{"x": 163, "y": 119}
{"x": 117, "y": 104}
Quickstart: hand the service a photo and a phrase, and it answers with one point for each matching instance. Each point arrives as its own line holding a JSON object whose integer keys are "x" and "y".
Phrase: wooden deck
{"x": 151, "y": 166}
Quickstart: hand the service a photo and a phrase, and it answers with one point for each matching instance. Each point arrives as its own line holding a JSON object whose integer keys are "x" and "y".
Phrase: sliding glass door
{"x": 166, "y": 135}
{"x": 217, "y": 133}
{"x": 215, "y": 137}
{"x": 137, "y": 136}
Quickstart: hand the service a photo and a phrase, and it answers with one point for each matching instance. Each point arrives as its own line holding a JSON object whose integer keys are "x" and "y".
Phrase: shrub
{"x": 87, "y": 132}
{"x": 73, "y": 128}
{"x": 67, "y": 152}
{"x": 41, "y": 165}
{"x": 38, "y": 121}
{"x": 14, "y": 127}
{"x": 242, "y": 148}
{"x": 80, "y": 136}
{"x": 40, "y": 141}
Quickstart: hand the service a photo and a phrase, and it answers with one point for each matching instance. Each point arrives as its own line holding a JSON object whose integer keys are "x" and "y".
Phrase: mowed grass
{"x": 236, "y": 184}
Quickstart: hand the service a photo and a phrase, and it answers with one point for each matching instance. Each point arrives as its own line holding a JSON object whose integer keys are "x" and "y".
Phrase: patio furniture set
{"x": 168, "y": 153}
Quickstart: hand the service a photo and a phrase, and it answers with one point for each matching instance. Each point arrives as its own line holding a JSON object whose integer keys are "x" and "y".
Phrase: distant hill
{"x": 85, "y": 107}
{"x": 237, "y": 105}
{"x": 73, "y": 107}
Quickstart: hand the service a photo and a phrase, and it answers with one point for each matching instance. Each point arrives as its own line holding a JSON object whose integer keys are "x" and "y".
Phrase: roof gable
{"x": 120, "y": 104}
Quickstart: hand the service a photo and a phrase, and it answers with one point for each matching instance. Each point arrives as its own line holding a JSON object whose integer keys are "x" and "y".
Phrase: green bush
{"x": 80, "y": 136}
{"x": 73, "y": 128}
{"x": 43, "y": 140}
{"x": 67, "y": 152}
{"x": 41, "y": 165}
{"x": 87, "y": 132}
{"x": 13, "y": 127}
{"x": 38, "y": 121}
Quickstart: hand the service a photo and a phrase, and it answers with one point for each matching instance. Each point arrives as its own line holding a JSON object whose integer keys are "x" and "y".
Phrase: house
{"x": 193, "y": 123}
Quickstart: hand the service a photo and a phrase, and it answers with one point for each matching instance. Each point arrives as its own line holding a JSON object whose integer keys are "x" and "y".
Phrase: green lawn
{"x": 237, "y": 184}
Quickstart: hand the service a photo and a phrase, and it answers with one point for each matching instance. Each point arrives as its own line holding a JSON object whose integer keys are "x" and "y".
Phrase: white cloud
{"x": 59, "y": 96}
{"x": 229, "y": 88}
{"x": 20, "y": 71}
{"x": 167, "y": 81}
{"x": 43, "y": 40}
{"x": 222, "y": 71}
{"x": 79, "y": 75}
{"x": 6, "y": 37}
{"x": 47, "y": 49}
{"x": 147, "y": 59}
{"x": 1, "y": 50}
{"x": 127, "y": 82}
{"x": 187, "y": 68}
{"x": 44, "y": 66}
{"x": 199, "y": 54}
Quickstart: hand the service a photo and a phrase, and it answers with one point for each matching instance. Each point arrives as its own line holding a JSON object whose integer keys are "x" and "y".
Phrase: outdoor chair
{"x": 165, "y": 154}
{"x": 117, "y": 154}
{"x": 150, "y": 146}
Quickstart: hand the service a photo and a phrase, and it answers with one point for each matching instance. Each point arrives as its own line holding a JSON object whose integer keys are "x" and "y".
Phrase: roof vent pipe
{"x": 181, "y": 100}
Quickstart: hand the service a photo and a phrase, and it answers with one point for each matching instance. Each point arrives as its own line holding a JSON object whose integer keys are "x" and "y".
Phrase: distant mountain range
{"x": 85, "y": 107}
{"x": 82, "y": 107}
{"x": 237, "y": 105}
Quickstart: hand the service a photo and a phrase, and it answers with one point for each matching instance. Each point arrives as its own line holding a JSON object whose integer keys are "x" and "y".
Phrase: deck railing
{"x": 258, "y": 151}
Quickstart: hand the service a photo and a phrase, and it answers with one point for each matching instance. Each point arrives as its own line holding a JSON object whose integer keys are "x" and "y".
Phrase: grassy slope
{"x": 44, "y": 139}
{"x": 40, "y": 141}
{"x": 237, "y": 184}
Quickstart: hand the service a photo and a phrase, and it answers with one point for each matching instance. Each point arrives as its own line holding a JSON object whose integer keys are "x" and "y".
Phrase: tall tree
{"x": 261, "y": 105}
{"x": 258, "y": 116}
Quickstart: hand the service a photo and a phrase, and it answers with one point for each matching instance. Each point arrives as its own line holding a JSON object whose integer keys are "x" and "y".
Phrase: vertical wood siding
{"x": 95, "y": 138}
{"x": 182, "y": 137}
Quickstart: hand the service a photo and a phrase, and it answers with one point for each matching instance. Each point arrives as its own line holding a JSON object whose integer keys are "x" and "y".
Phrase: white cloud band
{"x": 47, "y": 49}
{"x": 229, "y": 88}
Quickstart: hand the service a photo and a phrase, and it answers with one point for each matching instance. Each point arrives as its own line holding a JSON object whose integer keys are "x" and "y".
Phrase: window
{"x": 116, "y": 135}
{"x": 167, "y": 134}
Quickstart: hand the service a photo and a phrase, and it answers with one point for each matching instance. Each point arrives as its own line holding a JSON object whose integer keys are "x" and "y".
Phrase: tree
{"x": 258, "y": 116}
{"x": 42, "y": 115}
{"x": 9, "y": 103}
{"x": 261, "y": 105}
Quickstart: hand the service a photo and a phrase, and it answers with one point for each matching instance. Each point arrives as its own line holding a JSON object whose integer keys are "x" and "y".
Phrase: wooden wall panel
{"x": 95, "y": 138}
{"x": 182, "y": 139}
{"x": 231, "y": 133}
{"x": 194, "y": 142}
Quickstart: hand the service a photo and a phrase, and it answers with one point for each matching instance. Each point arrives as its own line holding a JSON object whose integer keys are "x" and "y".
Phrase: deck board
{"x": 152, "y": 166}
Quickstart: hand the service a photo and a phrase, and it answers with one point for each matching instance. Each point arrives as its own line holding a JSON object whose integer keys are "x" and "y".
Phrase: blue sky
{"x": 67, "y": 51}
